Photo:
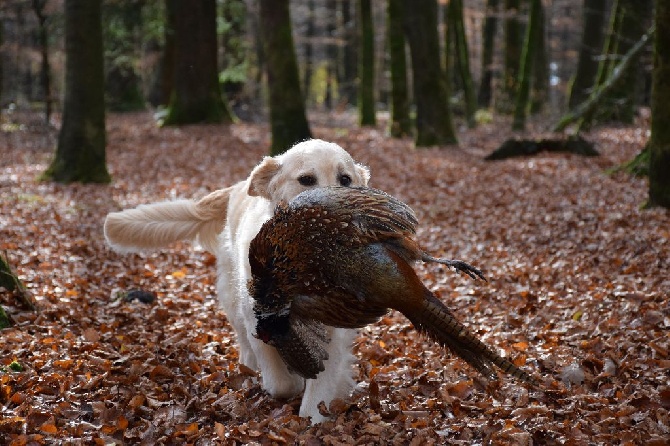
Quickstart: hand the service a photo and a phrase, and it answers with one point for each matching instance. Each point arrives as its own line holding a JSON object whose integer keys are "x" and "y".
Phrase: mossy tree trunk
{"x": 287, "y": 108}
{"x": 366, "y": 65}
{"x": 513, "y": 39}
{"x": 196, "y": 94}
{"x": 527, "y": 60}
{"x": 593, "y": 33}
{"x": 433, "y": 116}
{"x": 80, "y": 154}
{"x": 659, "y": 143}
{"x": 400, "y": 123}
{"x": 456, "y": 28}
{"x": 484, "y": 94}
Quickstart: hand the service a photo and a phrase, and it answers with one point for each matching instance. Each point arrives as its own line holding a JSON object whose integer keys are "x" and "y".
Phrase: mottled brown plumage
{"x": 342, "y": 257}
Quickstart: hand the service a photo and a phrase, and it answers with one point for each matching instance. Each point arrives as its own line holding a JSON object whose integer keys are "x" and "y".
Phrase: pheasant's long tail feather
{"x": 435, "y": 319}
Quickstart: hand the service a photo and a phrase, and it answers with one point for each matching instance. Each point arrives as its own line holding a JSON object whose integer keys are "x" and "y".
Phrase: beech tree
{"x": 433, "y": 116}
{"x": 527, "y": 60}
{"x": 456, "y": 32}
{"x": 484, "y": 93}
{"x": 80, "y": 154}
{"x": 196, "y": 94}
{"x": 593, "y": 24}
{"x": 400, "y": 123}
{"x": 287, "y": 107}
{"x": 513, "y": 40}
{"x": 366, "y": 65}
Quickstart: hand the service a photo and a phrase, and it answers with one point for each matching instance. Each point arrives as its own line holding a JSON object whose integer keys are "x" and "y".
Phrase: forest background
{"x": 185, "y": 97}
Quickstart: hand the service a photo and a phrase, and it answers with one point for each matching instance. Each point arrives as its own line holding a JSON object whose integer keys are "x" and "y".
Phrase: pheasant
{"x": 341, "y": 257}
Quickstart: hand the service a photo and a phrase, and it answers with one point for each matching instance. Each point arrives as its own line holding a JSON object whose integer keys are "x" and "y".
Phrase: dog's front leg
{"x": 335, "y": 381}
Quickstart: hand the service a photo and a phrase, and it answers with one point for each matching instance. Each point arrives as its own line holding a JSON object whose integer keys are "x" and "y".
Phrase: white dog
{"x": 225, "y": 222}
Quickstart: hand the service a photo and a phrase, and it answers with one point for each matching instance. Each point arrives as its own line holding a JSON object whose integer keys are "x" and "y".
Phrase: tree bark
{"x": 593, "y": 23}
{"x": 540, "y": 85}
{"x": 527, "y": 59}
{"x": 659, "y": 143}
{"x": 433, "y": 115}
{"x": 196, "y": 95}
{"x": 234, "y": 48}
{"x": 80, "y": 154}
{"x": 512, "y": 57}
{"x": 457, "y": 30}
{"x": 484, "y": 95}
{"x": 287, "y": 108}
{"x": 366, "y": 65}
{"x": 349, "y": 58}
{"x": 400, "y": 124}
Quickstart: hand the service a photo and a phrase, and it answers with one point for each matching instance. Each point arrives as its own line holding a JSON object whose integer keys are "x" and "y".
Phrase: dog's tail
{"x": 159, "y": 224}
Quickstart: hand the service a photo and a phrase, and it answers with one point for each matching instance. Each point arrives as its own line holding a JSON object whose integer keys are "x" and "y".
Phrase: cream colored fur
{"x": 224, "y": 222}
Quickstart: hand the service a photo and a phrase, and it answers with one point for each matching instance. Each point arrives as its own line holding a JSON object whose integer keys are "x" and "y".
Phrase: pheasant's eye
{"x": 307, "y": 180}
{"x": 345, "y": 180}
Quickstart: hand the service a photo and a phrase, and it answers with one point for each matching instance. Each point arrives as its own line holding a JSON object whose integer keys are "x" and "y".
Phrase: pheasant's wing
{"x": 302, "y": 347}
{"x": 375, "y": 215}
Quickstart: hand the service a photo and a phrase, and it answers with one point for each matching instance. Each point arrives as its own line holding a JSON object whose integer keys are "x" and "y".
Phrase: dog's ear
{"x": 259, "y": 180}
{"x": 363, "y": 173}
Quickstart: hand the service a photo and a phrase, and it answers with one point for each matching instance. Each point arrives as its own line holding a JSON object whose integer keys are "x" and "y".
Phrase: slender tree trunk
{"x": 527, "y": 59}
{"x": 233, "y": 44}
{"x": 484, "y": 95}
{"x": 309, "y": 35}
{"x": 659, "y": 143}
{"x": 512, "y": 56}
{"x": 349, "y": 57}
{"x": 433, "y": 116}
{"x": 196, "y": 95}
{"x": 80, "y": 154}
{"x": 45, "y": 71}
{"x": 2, "y": 58}
{"x": 366, "y": 65}
{"x": 591, "y": 45}
{"x": 400, "y": 123}
{"x": 331, "y": 55}
{"x": 540, "y": 84}
{"x": 287, "y": 108}
{"x": 457, "y": 29}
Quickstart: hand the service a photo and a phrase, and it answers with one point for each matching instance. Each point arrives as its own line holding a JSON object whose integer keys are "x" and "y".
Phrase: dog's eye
{"x": 345, "y": 180}
{"x": 307, "y": 180}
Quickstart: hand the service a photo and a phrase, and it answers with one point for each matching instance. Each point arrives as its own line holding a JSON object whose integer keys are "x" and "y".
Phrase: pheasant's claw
{"x": 458, "y": 265}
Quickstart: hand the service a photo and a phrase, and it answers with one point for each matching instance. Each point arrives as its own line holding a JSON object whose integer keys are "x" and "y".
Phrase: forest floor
{"x": 577, "y": 292}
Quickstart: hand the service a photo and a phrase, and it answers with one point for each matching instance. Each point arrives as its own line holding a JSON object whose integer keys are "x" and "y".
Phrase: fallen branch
{"x": 526, "y": 147}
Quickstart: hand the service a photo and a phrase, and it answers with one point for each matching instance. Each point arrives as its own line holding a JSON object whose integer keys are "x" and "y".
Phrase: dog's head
{"x": 309, "y": 164}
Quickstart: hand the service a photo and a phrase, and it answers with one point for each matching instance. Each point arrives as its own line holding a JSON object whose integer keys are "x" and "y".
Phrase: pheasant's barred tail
{"x": 437, "y": 321}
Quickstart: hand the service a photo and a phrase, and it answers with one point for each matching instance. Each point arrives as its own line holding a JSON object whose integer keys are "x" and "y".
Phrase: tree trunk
{"x": 457, "y": 30}
{"x": 80, "y": 155}
{"x": 331, "y": 56}
{"x": 45, "y": 71}
{"x": 309, "y": 35}
{"x": 527, "y": 59}
{"x": 540, "y": 85}
{"x": 512, "y": 57}
{"x": 196, "y": 95}
{"x": 366, "y": 65}
{"x": 484, "y": 94}
{"x": 287, "y": 108}
{"x": 349, "y": 58}
{"x": 659, "y": 143}
{"x": 433, "y": 116}
{"x": 163, "y": 77}
{"x": 591, "y": 45}
{"x": 400, "y": 124}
